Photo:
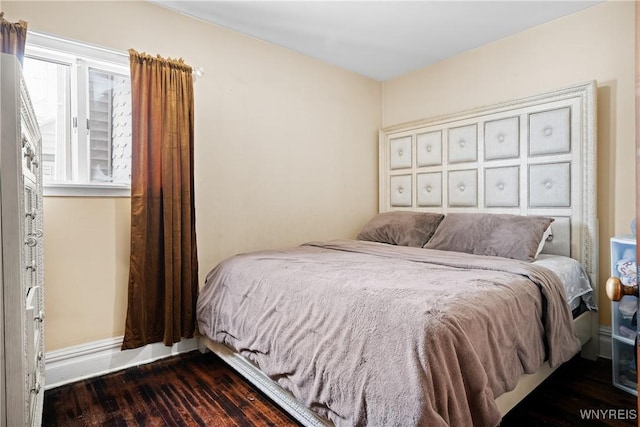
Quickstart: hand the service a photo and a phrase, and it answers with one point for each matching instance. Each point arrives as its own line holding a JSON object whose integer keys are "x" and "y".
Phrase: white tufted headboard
{"x": 531, "y": 156}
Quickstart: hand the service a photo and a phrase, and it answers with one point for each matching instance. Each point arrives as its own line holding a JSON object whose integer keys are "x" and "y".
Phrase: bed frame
{"x": 531, "y": 156}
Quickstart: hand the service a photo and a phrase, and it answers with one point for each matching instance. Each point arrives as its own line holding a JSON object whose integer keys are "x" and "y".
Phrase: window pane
{"x": 109, "y": 126}
{"x": 48, "y": 85}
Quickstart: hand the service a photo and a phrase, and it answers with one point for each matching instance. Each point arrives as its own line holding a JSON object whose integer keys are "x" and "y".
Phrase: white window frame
{"x": 54, "y": 49}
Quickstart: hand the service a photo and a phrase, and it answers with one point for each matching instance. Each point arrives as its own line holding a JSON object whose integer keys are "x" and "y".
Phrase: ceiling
{"x": 379, "y": 39}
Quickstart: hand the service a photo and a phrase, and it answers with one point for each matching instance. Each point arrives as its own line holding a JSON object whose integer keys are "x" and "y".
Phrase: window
{"x": 82, "y": 98}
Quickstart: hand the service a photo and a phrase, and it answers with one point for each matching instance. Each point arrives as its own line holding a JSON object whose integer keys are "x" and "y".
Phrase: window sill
{"x": 86, "y": 190}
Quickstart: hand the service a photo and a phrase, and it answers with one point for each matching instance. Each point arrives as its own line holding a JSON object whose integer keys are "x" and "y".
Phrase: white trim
{"x": 86, "y": 190}
{"x": 58, "y": 44}
{"x": 604, "y": 335}
{"x": 97, "y": 358}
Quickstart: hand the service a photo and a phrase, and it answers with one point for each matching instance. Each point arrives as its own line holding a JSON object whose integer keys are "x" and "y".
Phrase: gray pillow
{"x": 507, "y": 236}
{"x": 401, "y": 228}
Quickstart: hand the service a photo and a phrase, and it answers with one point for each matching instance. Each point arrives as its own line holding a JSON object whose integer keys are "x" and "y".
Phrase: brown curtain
{"x": 163, "y": 276}
{"x": 13, "y": 37}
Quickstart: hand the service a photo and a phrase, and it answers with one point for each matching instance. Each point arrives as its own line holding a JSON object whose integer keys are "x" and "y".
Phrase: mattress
{"x": 575, "y": 280}
{"x": 366, "y": 333}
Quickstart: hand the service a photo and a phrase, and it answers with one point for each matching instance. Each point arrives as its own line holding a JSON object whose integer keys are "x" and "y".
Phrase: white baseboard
{"x": 101, "y": 357}
{"x": 605, "y": 342}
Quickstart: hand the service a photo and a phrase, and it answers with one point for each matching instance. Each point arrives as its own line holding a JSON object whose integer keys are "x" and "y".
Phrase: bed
{"x": 476, "y": 280}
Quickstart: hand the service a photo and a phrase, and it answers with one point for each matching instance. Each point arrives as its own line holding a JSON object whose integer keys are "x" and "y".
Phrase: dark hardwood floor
{"x": 190, "y": 389}
{"x": 200, "y": 390}
{"x": 578, "y": 386}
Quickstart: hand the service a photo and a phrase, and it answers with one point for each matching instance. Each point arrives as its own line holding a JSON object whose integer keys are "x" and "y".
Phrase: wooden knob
{"x": 616, "y": 290}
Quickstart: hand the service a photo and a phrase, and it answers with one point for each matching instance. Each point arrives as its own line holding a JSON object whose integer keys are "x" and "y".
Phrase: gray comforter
{"x": 372, "y": 334}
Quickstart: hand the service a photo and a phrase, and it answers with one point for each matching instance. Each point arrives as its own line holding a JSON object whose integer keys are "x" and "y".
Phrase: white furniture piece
{"x": 623, "y": 330}
{"x": 21, "y": 253}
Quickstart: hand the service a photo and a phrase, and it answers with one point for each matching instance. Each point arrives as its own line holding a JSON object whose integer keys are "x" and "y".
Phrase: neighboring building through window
{"x": 82, "y": 98}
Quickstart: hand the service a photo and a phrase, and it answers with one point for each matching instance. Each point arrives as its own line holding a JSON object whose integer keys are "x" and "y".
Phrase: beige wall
{"x": 86, "y": 268}
{"x": 285, "y": 147}
{"x": 595, "y": 44}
